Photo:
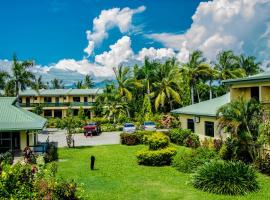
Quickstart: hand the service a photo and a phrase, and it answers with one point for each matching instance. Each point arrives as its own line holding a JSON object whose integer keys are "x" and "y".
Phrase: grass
{"x": 118, "y": 176}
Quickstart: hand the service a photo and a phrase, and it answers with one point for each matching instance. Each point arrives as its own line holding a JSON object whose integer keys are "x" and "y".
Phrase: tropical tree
{"x": 249, "y": 64}
{"x": 241, "y": 119}
{"x": 39, "y": 84}
{"x": 57, "y": 84}
{"x": 167, "y": 84}
{"x": 227, "y": 65}
{"x": 3, "y": 78}
{"x": 194, "y": 69}
{"x": 88, "y": 82}
{"x": 21, "y": 77}
{"x": 79, "y": 85}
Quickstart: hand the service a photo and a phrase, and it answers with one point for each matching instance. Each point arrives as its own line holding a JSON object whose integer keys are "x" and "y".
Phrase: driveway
{"x": 57, "y": 135}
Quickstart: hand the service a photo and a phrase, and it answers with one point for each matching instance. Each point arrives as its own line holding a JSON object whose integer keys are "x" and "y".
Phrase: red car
{"x": 92, "y": 128}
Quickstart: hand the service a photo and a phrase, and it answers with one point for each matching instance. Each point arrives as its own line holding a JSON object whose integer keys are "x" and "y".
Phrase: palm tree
{"x": 210, "y": 77}
{"x": 249, "y": 64}
{"x": 166, "y": 86}
{"x": 39, "y": 84}
{"x": 21, "y": 78}
{"x": 79, "y": 85}
{"x": 194, "y": 69}
{"x": 3, "y": 78}
{"x": 88, "y": 81}
{"x": 227, "y": 66}
{"x": 57, "y": 84}
{"x": 241, "y": 119}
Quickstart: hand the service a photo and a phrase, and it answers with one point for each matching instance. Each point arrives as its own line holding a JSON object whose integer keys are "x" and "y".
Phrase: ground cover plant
{"x": 117, "y": 176}
{"x": 226, "y": 177}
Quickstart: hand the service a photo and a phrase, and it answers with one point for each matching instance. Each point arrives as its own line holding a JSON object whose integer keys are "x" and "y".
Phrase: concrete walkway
{"x": 56, "y": 135}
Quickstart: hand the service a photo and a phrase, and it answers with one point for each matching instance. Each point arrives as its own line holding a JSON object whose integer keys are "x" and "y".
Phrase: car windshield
{"x": 128, "y": 125}
{"x": 149, "y": 123}
{"x": 92, "y": 123}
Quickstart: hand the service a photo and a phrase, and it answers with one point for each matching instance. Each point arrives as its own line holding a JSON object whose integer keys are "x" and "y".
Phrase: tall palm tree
{"x": 79, "y": 85}
{"x": 166, "y": 86}
{"x": 249, "y": 64}
{"x": 88, "y": 81}
{"x": 39, "y": 84}
{"x": 57, "y": 83}
{"x": 22, "y": 77}
{"x": 227, "y": 66}
{"x": 3, "y": 78}
{"x": 194, "y": 69}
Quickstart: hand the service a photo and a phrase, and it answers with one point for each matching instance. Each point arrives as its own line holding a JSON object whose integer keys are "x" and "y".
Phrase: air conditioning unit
{"x": 196, "y": 119}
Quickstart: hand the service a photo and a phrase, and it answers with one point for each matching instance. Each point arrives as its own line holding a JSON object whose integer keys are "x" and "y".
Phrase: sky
{"x": 69, "y": 39}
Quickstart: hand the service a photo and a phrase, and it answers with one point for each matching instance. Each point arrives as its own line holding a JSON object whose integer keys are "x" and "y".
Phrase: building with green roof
{"x": 56, "y": 102}
{"x": 201, "y": 117}
{"x": 18, "y": 127}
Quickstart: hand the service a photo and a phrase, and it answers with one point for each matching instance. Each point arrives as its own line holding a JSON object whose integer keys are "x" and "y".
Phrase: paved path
{"x": 56, "y": 135}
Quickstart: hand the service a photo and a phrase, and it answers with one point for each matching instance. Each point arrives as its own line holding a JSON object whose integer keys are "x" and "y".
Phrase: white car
{"x": 149, "y": 126}
{"x": 129, "y": 128}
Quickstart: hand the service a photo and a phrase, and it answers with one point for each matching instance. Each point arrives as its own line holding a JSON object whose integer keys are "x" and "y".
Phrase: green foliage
{"x": 129, "y": 139}
{"x": 6, "y": 158}
{"x": 81, "y": 114}
{"x": 226, "y": 177}
{"x": 188, "y": 161}
{"x": 109, "y": 127}
{"x": 263, "y": 164}
{"x": 38, "y": 109}
{"x": 192, "y": 141}
{"x": 158, "y": 141}
{"x": 100, "y": 120}
{"x": 51, "y": 154}
{"x": 156, "y": 157}
{"x": 178, "y": 135}
{"x": 144, "y": 135}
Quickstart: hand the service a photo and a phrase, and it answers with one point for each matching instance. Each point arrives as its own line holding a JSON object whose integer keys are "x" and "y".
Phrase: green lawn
{"x": 118, "y": 176}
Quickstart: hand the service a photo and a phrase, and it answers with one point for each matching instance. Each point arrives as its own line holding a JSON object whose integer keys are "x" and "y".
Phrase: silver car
{"x": 149, "y": 126}
{"x": 129, "y": 128}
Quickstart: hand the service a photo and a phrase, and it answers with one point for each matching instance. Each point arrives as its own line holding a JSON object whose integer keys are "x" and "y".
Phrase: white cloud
{"x": 155, "y": 54}
{"x": 119, "y": 52}
{"x": 240, "y": 25}
{"x": 108, "y": 19}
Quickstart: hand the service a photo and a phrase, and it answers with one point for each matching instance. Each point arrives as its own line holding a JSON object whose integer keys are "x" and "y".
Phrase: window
{"x": 35, "y": 98}
{"x": 58, "y": 113}
{"x": 85, "y": 99}
{"x": 47, "y": 99}
{"x": 47, "y": 113}
{"x": 254, "y": 93}
{"x": 209, "y": 129}
{"x": 190, "y": 125}
{"x": 76, "y": 99}
{"x": 75, "y": 112}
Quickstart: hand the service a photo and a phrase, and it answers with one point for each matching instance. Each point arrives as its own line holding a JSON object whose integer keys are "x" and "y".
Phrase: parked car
{"x": 129, "y": 128}
{"x": 149, "y": 126}
{"x": 92, "y": 128}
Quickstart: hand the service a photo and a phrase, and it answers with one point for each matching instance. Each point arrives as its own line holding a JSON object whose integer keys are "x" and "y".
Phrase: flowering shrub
{"x": 192, "y": 140}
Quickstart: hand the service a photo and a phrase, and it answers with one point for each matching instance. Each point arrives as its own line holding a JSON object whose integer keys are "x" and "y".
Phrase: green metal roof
{"x": 60, "y": 92}
{"x": 13, "y": 118}
{"x": 264, "y": 76}
{"x": 204, "y": 108}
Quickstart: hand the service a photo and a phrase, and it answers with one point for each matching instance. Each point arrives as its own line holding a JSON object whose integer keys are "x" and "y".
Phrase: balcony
{"x": 62, "y": 104}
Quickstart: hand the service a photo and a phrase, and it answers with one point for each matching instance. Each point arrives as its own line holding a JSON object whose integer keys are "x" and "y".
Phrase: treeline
{"x": 162, "y": 86}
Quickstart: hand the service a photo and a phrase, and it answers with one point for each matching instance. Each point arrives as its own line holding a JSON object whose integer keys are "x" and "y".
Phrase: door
{"x": 27, "y": 101}
{"x": 16, "y": 142}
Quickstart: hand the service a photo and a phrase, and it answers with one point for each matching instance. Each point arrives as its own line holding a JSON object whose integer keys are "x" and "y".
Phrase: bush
{"x": 100, "y": 120}
{"x": 263, "y": 164}
{"x": 51, "y": 154}
{"x": 144, "y": 135}
{"x": 129, "y": 139}
{"x": 109, "y": 127}
{"x": 226, "y": 177}
{"x": 6, "y": 158}
{"x": 192, "y": 140}
{"x": 178, "y": 135}
{"x": 189, "y": 160}
{"x": 157, "y": 157}
{"x": 158, "y": 141}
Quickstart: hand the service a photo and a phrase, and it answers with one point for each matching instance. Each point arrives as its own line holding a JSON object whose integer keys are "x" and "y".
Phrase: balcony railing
{"x": 62, "y": 104}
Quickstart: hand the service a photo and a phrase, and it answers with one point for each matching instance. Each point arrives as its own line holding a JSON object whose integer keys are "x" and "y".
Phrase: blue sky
{"x": 48, "y": 31}
{"x": 69, "y": 39}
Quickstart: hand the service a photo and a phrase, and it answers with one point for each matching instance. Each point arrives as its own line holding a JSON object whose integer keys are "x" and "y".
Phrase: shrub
{"x": 129, "y": 139}
{"x": 144, "y": 135}
{"x": 208, "y": 143}
{"x": 218, "y": 144}
{"x": 192, "y": 140}
{"x": 178, "y": 135}
{"x": 109, "y": 127}
{"x": 226, "y": 177}
{"x": 158, "y": 141}
{"x": 100, "y": 120}
{"x": 157, "y": 157}
{"x": 6, "y": 158}
{"x": 189, "y": 160}
{"x": 51, "y": 154}
{"x": 263, "y": 164}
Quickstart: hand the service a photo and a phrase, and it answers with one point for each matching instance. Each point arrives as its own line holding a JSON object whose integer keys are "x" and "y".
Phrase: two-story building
{"x": 201, "y": 117}
{"x": 56, "y": 102}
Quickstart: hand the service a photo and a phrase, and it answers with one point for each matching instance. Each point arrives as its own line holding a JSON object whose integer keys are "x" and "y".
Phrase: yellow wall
{"x": 23, "y": 139}
{"x": 200, "y": 127}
